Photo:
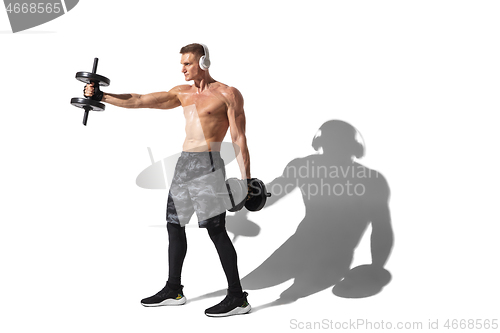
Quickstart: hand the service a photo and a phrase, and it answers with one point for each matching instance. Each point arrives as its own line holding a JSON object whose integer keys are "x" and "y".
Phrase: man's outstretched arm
{"x": 157, "y": 100}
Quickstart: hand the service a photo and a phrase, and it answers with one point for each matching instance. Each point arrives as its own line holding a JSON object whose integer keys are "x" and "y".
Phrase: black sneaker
{"x": 229, "y": 306}
{"x": 166, "y": 296}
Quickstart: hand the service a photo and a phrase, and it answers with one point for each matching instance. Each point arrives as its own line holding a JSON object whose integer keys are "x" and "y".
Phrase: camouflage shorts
{"x": 197, "y": 178}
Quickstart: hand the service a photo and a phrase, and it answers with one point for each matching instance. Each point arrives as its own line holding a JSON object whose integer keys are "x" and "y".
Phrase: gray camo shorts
{"x": 198, "y": 177}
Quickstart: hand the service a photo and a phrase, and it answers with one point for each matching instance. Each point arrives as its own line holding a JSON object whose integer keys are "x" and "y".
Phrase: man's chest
{"x": 203, "y": 104}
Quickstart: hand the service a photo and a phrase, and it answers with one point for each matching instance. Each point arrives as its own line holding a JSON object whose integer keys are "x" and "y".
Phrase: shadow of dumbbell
{"x": 239, "y": 225}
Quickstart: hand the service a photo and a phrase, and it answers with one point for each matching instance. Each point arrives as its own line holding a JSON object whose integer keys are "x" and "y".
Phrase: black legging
{"x": 177, "y": 248}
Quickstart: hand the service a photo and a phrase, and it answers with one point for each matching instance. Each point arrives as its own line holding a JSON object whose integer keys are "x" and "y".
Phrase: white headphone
{"x": 205, "y": 60}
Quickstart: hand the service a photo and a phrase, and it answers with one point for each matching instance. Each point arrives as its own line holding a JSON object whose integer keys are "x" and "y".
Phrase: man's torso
{"x": 206, "y": 116}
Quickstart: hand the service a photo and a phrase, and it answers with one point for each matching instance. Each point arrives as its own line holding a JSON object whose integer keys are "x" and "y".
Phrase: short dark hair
{"x": 194, "y": 48}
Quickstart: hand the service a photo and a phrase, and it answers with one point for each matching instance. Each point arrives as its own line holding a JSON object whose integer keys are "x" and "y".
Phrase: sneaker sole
{"x": 167, "y": 302}
{"x": 236, "y": 311}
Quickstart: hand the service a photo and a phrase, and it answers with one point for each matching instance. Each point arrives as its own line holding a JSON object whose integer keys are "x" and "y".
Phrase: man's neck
{"x": 203, "y": 83}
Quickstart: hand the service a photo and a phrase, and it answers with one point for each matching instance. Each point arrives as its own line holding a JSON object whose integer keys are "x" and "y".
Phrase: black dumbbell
{"x": 88, "y": 104}
{"x": 238, "y": 195}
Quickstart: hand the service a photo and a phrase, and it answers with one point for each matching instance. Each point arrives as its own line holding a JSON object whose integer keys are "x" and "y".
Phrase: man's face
{"x": 190, "y": 66}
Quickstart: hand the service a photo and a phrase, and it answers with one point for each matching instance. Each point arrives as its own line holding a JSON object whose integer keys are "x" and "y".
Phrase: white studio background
{"x": 81, "y": 243}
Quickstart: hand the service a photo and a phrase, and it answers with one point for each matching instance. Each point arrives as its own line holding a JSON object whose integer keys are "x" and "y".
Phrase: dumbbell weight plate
{"x": 88, "y": 103}
{"x": 238, "y": 191}
{"x": 87, "y": 77}
{"x": 258, "y": 197}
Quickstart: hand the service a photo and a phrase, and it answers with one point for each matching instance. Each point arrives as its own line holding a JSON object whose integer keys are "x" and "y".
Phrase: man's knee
{"x": 216, "y": 231}
{"x": 175, "y": 229}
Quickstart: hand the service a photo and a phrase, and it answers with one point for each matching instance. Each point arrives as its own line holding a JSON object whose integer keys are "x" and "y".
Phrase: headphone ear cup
{"x": 204, "y": 63}
{"x": 205, "y": 58}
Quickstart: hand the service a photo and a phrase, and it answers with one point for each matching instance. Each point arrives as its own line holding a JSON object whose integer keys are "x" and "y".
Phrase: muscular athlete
{"x": 210, "y": 108}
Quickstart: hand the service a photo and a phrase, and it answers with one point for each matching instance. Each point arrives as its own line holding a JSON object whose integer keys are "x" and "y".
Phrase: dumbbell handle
{"x": 94, "y": 70}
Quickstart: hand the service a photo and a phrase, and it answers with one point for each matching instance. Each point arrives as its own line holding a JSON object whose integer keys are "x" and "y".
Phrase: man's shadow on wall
{"x": 342, "y": 198}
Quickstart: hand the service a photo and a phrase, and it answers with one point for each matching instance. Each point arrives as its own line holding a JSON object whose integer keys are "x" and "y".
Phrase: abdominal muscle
{"x": 203, "y": 130}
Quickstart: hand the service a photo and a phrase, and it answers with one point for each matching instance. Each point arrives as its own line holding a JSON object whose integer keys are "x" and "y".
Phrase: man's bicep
{"x": 236, "y": 115}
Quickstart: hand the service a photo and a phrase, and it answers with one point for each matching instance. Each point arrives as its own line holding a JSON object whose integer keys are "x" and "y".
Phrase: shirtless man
{"x": 210, "y": 108}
